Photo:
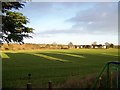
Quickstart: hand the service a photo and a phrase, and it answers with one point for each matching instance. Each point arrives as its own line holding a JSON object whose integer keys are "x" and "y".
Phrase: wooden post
{"x": 50, "y": 85}
{"x": 29, "y": 86}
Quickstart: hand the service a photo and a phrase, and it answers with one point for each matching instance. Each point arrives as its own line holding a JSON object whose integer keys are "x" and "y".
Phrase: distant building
{"x": 104, "y": 46}
{"x": 85, "y": 46}
{"x": 77, "y": 46}
{"x": 42, "y": 45}
{"x": 64, "y": 47}
{"x": 98, "y": 46}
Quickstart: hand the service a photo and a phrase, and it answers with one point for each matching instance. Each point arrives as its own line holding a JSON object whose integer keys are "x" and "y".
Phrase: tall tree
{"x": 107, "y": 45}
{"x": 70, "y": 45}
{"x": 94, "y": 44}
{"x": 13, "y": 23}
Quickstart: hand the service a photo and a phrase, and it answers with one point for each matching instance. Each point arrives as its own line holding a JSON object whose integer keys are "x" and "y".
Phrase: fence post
{"x": 50, "y": 85}
{"x": 29, "y": 86}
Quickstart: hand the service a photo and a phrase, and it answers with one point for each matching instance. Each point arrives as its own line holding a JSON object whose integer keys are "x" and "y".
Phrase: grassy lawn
{"x": 52, "y": 65}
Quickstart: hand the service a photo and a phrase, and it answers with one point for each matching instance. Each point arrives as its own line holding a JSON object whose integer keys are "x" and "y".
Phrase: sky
{"x": 76, "y": 22}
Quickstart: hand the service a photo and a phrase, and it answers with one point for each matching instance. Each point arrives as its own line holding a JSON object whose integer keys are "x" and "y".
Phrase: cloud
{"x": 101, "y": 18}
{"x": 97, "y": 18}
{"x": 64, "y": 31}
{"x": 89, "y": 18}
{"x": 71, "y": 31}
{"x": 75, "y": 0}
{"x": 43, "y": 8}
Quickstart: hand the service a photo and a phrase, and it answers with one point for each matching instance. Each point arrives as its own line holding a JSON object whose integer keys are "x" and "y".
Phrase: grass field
{"x": 53, "y": 65}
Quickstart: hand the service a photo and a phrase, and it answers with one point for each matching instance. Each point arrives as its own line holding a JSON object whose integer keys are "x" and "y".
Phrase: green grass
{"x": 52, "y": 65}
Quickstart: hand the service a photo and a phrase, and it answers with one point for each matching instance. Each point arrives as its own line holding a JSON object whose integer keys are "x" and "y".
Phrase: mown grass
{"x": 52, "y": 65}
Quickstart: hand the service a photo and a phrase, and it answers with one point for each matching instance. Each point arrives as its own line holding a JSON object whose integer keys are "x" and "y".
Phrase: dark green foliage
{"x": 112, "y": 45}
{"x": 10, "y": 5}
{"x": 13, "y": 23}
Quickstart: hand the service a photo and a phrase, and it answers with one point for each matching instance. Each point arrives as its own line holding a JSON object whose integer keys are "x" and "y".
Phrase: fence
{"x": 108, "y": 77}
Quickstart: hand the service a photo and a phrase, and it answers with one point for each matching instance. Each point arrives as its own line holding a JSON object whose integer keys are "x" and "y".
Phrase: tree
{"x": 111, "y": 45}
{"x": 47, "y": 46}
{"x": 107, "y": 45}
{"x": 70, "y": 45}
{"x": 94, "y": 44}
{"x": 13, "y": 23}
{"x": 54, "y": 44}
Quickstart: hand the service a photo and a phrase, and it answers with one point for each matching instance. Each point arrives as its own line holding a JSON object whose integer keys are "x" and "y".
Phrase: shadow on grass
{"x": 47, "y": 66}
{"x": 85, "y": 57}
{"x": 64, "y": 56}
